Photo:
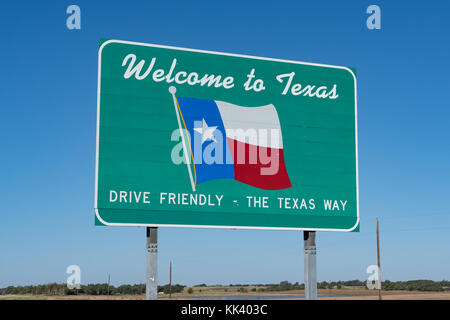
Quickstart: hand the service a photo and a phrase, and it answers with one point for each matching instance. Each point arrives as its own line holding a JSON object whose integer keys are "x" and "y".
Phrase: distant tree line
{"x": 411, "y": 285}
{"x": 283, "y": 286}
{"x": 175, "y": 288}
{"x": 90, "y": 289}
{"x": 417, "y": 285}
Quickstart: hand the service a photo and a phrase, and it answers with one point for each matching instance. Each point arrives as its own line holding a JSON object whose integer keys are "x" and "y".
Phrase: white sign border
{"x": 204, "y": 226}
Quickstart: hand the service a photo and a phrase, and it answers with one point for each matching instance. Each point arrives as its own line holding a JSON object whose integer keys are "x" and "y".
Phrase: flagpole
{"x": 173, "y": 90}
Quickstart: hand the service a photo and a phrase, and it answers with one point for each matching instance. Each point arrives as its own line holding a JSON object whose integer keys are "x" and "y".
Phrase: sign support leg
{"x": 151, "y": 289}
{"x": 309, "y": 238}
{"x": 378, "y": 261}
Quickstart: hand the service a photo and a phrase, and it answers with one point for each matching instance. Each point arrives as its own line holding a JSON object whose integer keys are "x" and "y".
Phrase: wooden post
{"x": 109, "y": 279}
{"x": 379, "y": 264}
{"x": 170, "y": 282}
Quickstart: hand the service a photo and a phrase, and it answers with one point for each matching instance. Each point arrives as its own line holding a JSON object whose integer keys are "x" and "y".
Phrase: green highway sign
{"x": 193, "y": 138}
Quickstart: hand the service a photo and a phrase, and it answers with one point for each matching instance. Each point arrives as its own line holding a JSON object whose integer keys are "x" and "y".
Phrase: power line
{"x": 417, "y": 215}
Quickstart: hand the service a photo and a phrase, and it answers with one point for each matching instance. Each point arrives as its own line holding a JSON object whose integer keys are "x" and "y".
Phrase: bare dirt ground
{"x": 385, "y": 295}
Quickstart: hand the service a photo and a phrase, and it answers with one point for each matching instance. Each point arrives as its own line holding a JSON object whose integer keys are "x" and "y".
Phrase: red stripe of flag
{"x": 248, "y": 164}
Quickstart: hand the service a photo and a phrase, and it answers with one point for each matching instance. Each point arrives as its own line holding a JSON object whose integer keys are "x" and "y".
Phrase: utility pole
{"x": 170, "y": 282}
{"x": 309, "y": 238}
{"x": 379, "y": 264}
{"x": 109, "y": 280}
{"x": 151, "y": 289}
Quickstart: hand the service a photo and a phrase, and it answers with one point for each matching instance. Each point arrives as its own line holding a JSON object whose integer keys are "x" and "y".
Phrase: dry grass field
{"x": 346, "y": 293}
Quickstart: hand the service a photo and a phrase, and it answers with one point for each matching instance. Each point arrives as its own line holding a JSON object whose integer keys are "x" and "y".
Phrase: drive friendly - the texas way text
{"x": 200, "y": 199}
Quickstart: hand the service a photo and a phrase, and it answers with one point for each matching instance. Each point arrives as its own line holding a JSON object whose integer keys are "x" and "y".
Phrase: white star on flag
{"x": 206, "y": 132}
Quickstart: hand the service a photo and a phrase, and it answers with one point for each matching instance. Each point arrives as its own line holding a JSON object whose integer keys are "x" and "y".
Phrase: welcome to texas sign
{"x": 195, "y": 138}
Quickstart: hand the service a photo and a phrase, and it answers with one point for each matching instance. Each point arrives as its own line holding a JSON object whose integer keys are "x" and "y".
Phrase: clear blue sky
{"x": 48, "y": 93}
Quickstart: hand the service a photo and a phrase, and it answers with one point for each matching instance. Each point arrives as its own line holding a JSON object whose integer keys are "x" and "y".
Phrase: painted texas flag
{"x": 227, "y": 141}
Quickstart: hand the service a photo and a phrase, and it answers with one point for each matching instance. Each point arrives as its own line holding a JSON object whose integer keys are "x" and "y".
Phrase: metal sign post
{"x": 151, "y": 289}
{"x": 309, "y": 238}
{"x": 378, "y": 260}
